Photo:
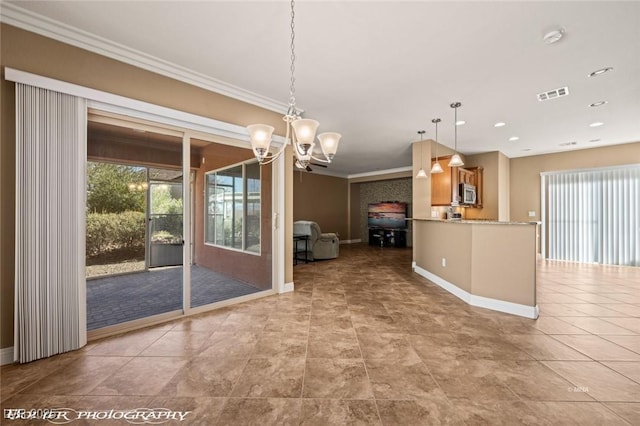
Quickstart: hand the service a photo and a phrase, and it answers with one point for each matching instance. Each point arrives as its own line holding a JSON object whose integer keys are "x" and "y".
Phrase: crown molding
{"x": 381, "y": 172}
{"x": 18, "y": 17}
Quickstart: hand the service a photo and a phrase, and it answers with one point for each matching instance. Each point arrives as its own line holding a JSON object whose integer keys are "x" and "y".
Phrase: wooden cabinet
{"x": 441, "y": 184}
{"x": 444, "y": 186}
{"x": 477, "y": 181}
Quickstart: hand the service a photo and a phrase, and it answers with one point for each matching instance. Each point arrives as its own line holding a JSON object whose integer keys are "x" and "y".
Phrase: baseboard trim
{"x": 351, "y": 241}
{"x": 531, "y": 312}
{"x": 288, "y": 287}
{"x": 6, "y": 356}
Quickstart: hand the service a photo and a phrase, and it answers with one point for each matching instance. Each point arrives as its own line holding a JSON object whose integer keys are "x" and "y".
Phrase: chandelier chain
{"x": 292, "y": 88}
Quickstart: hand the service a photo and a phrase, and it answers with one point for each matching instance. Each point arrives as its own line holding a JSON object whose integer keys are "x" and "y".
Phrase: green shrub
{"x": 112, "y": 231}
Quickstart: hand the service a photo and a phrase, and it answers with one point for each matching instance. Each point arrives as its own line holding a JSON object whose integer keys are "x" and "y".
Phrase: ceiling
{"x": 379, "y": 71}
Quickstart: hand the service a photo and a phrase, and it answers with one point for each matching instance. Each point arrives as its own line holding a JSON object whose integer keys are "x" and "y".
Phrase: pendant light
{"x": 456, "y": 161}
{"x": 437, "y": 168}
{"x": 421, "y": 173}
{"x": 301, "y": 132}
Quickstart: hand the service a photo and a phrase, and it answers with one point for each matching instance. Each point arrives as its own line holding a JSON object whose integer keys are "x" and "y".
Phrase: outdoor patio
{"x": 116, "y": 299}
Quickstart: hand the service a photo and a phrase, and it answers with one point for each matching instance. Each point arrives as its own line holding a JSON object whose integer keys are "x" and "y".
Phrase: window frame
{"x": 245, "y": 198}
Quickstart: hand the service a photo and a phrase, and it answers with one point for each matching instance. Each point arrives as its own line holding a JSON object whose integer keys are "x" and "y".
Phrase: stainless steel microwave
{"x": 467, "y": 193}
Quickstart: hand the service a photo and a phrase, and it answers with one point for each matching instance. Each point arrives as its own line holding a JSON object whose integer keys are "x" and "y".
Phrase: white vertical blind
{"x": 50, "y": 287}
{"x": 594, "y": 216}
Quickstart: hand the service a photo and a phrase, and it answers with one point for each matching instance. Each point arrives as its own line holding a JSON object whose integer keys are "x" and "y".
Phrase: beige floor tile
{"x": 323, "y": 412}
{"x": 78, "y": 377}
{"x": 575, "y": 413}
{"x": 206, "y": 377}
{"x": 333, "y": 344}
{"x": 281, "y": 344}
{"x": 626, "y": 368}
{"x": 446, "y": 346}
{"x": 597, "y": 325}
{"x": 627, "y": 410}
{"x": 553, "y": 325}
{"x": 177, "y": 343}
{"x": 556, "y": 309}
{"x": 624, "y": 308}
{"x": 597, "y": 310}
{"x": 542, "y": 347}
{"x": 399, "y": 379}
{"x": 202, "y": 411}
{"x": 475, "y": 380}
{"x": 141, "y": 376}
{"x": 437, "y": 409}
{"x": 230, "y": 344}
{"x": 260, "y": 411}
{"x": 533, "y": 381}
{"x": 632, "y": 324}
{"x": 270, "y": 378}
{"x": 130, "y": 344}
{"x": 385, "y": 346}
{"x": 598, "y": 381}
{"x": 628, "y": 342}
{"x": 495, "y": 413}
{"x": 597, "y": 348}
{"x": 336, "y": 379}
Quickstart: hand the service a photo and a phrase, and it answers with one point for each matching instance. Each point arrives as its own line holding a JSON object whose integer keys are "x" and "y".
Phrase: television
{"x": 387, "y": 215}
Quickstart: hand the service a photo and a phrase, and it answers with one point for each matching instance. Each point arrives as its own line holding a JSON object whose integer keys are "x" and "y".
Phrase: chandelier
{"x": 300, "y": 131}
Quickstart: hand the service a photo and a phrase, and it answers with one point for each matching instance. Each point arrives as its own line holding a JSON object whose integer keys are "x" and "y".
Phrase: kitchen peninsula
{"x": 488, "y": 264}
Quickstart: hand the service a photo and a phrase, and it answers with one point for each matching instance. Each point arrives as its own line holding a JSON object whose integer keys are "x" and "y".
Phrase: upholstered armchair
{"x": 320, "y": 245}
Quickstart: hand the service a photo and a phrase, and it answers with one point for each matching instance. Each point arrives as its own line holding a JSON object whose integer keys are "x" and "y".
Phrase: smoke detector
{"x": 553, "y": 36}
{"x": 552, "y": 94}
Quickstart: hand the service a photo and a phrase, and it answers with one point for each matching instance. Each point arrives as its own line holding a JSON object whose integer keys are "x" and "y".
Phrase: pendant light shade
{"x": 421, "y": 173}
{"x": 437, "y": 168}
{"x": 455, "y": 161}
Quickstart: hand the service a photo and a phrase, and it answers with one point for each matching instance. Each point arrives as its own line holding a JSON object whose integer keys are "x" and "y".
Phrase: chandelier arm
{"x": 326, "y": 160}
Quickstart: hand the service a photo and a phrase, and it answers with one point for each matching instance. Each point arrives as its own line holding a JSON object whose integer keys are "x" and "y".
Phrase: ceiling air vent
{"x": 552, "y": 94}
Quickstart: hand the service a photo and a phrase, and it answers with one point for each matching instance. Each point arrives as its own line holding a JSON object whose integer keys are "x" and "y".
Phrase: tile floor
{"x": 363, "y": 340}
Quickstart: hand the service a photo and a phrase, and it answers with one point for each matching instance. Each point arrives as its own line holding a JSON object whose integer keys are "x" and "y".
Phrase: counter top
{"x": 478, "y": 221}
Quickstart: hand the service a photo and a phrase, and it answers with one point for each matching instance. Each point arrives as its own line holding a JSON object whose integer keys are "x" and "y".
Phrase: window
{"x": 594, "y": 215}
{"x": 233, "y": 207}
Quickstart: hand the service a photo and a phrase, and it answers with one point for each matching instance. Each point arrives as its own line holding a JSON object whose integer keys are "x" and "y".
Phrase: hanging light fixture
{"x": 421, "y": 173}
{"x": 455, "y": 161}
{"x": 302, "y": 131}
{"x": 437, "y": 168}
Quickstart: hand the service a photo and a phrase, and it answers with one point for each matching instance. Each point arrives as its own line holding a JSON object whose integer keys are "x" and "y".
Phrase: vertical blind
{"x": 50, "y": 293}
{"x": 594, "y": 216}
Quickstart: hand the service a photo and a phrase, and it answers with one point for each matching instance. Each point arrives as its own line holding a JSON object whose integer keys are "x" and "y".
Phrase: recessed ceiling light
{"x": 553, "y": 36}
{"x": 460, "y": 122}
{"x": 596, "y": 124}
{"x": 597, "y": 104}
{"x": 526, "y": 149}
{"x": 513, "y": 138}
{"x": 568, "y": 143}
{"x": 595, "y": 140}
{"x": 499, "y": 124}
{"x": 600, "y": 71}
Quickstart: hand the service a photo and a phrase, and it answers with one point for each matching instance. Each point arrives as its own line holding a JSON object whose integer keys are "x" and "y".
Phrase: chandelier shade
{"x": 329, "y": 143}
{"x": 260, "y": 135}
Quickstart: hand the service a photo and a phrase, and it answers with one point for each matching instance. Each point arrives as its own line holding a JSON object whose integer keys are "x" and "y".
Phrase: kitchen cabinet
{"x": 477, "y": 181}
{"x": 441, "y": 183}
{"x": 444, "y": 186}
